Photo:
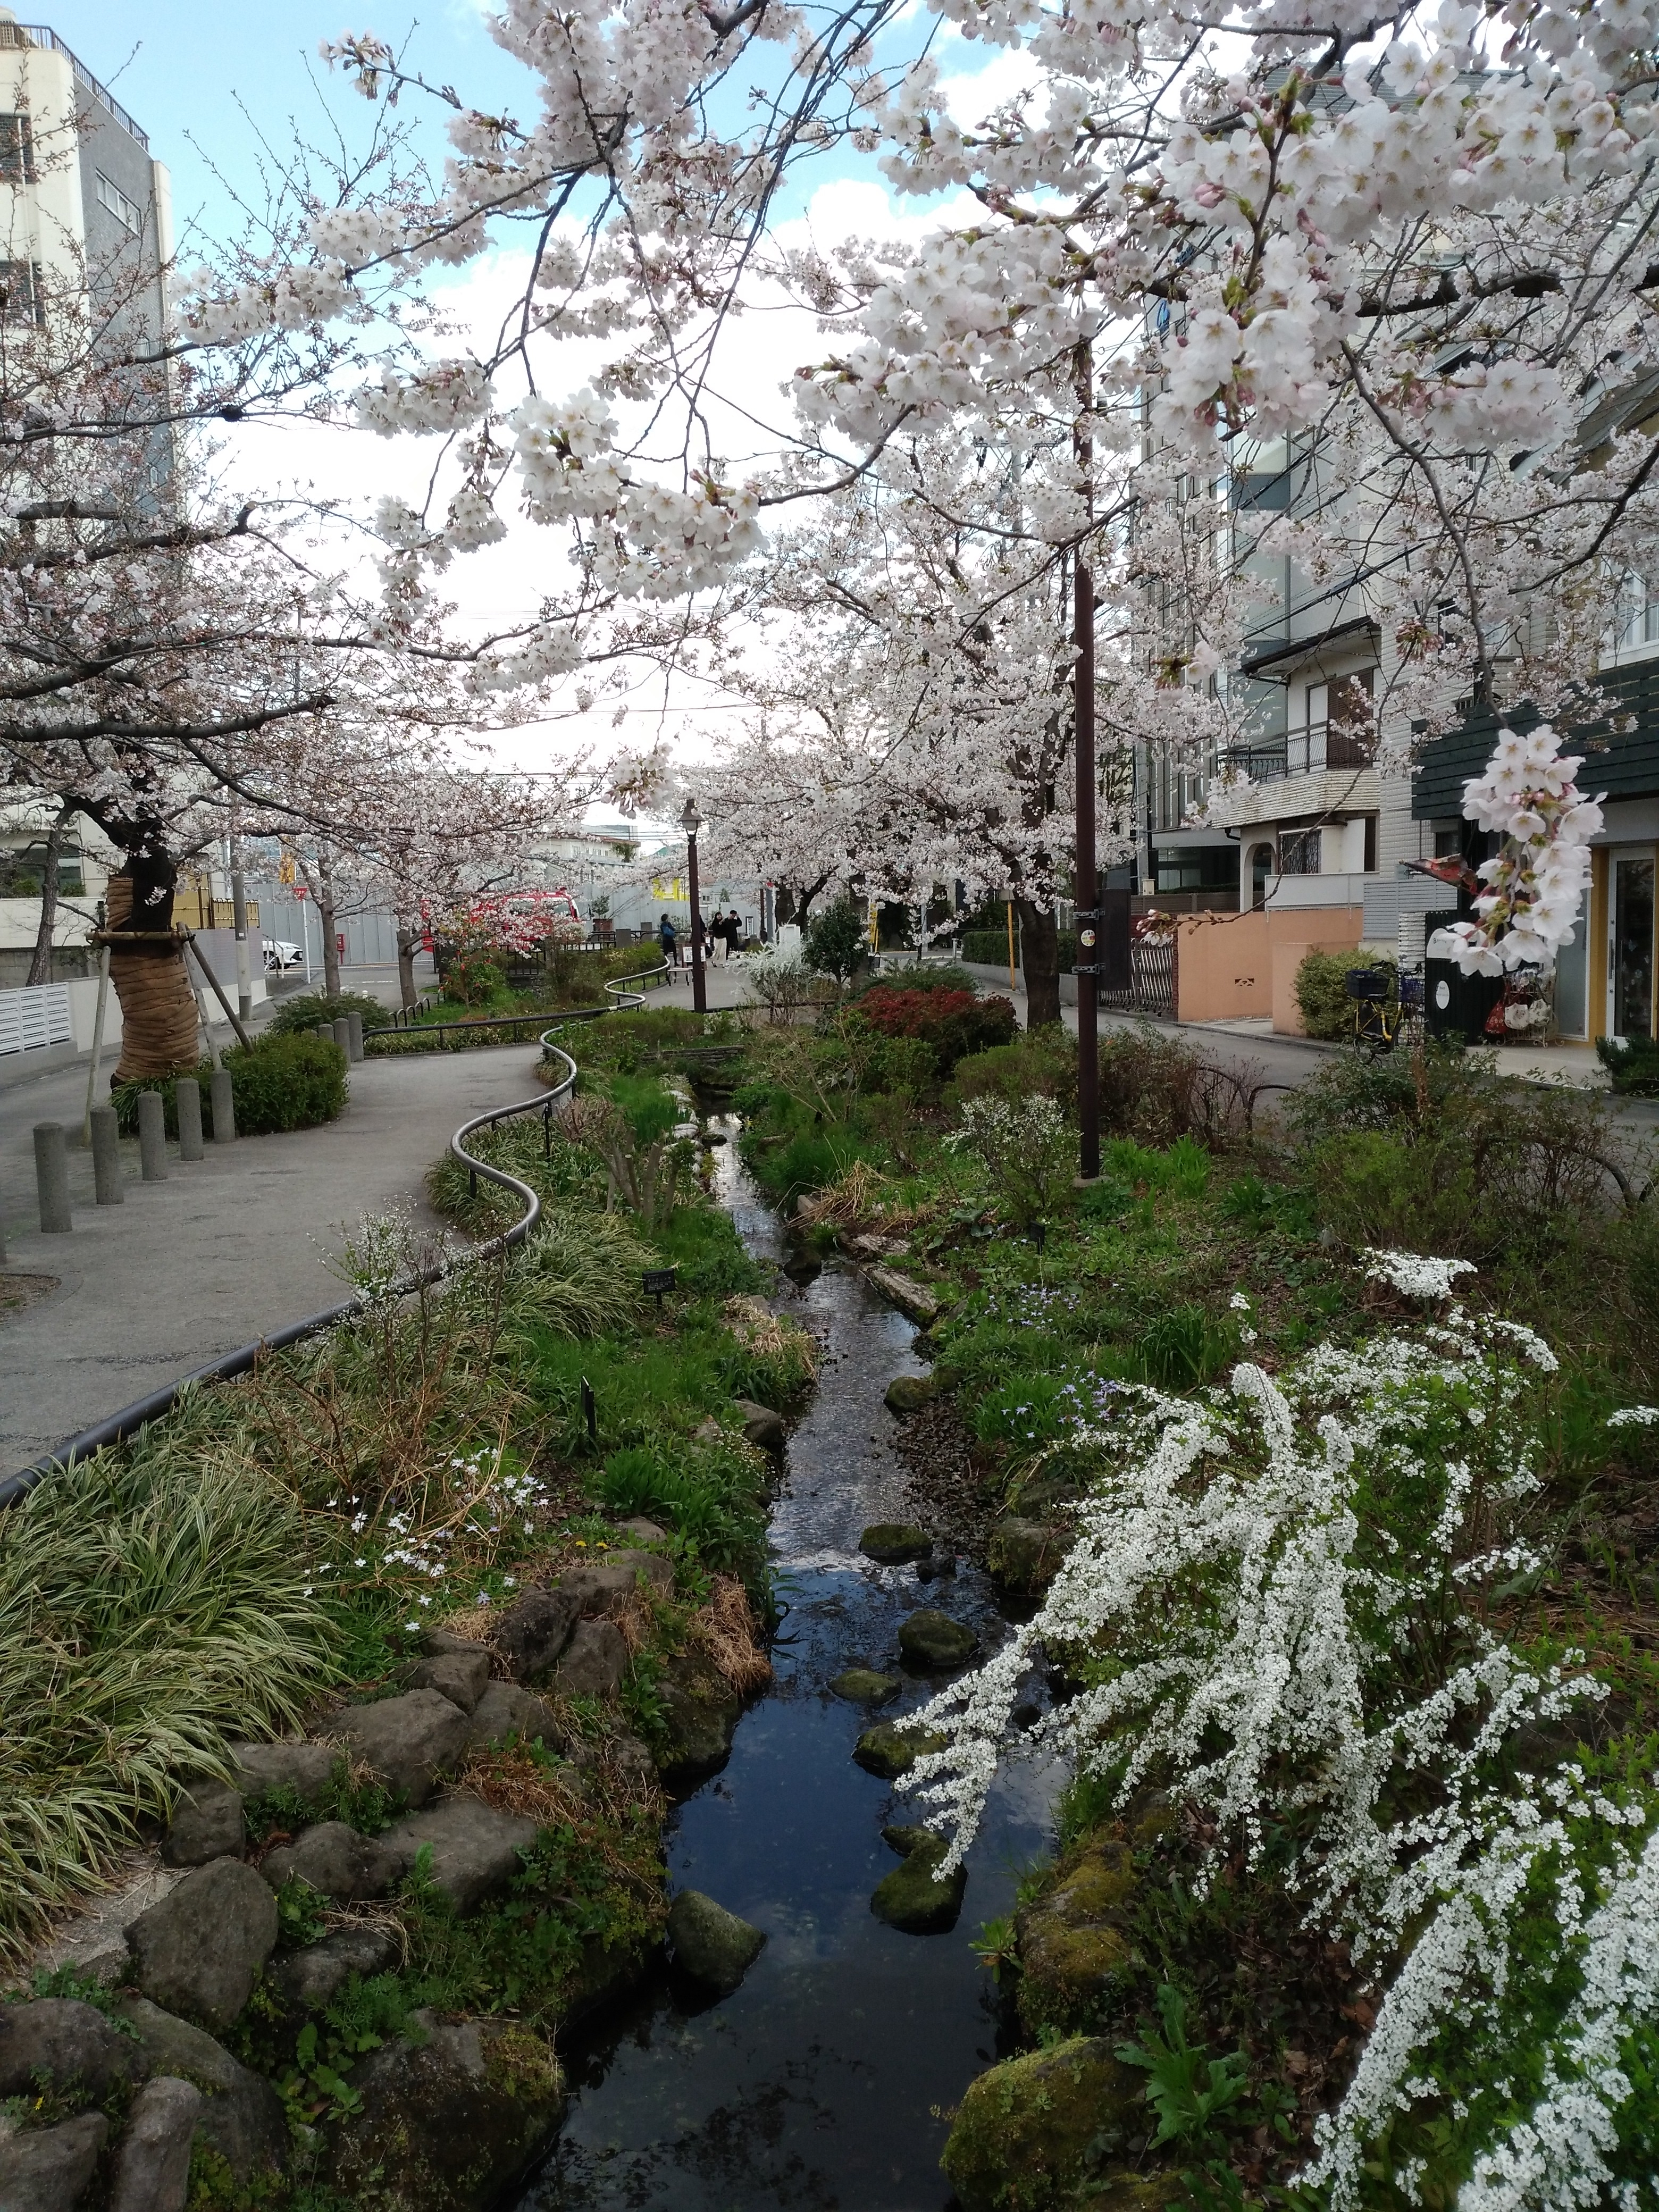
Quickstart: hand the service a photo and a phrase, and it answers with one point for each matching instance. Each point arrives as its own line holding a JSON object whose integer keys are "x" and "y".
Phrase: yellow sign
{"x": 667, "y": 887}
{"x": 285, "y": 869}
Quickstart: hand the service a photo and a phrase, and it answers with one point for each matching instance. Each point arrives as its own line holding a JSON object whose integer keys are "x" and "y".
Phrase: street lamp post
{"x": 691, "y": 822}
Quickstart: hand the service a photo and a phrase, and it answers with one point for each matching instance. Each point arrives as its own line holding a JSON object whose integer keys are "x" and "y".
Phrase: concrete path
{"x": 220, "y": 1252}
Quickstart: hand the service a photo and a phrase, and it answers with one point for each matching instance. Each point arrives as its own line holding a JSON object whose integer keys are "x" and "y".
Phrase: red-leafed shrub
{"x": 954, "y": 1022}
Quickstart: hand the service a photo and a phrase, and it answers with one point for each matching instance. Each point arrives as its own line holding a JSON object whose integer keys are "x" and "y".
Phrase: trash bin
{"x": 1457, "y": 1004}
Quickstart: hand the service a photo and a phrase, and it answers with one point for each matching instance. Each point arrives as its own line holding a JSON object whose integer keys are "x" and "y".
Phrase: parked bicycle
{"x": 1381, "y": 1017}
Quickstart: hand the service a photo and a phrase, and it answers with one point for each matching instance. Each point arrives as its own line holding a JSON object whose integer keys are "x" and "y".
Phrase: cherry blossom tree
{"x": 1275, "y": 218}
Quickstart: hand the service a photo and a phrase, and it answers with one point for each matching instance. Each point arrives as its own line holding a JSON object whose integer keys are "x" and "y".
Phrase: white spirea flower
{"x": 1414, "y": 1274}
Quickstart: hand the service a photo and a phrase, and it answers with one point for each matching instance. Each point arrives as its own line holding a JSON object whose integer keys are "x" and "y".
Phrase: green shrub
{"x": 292, "y": 1082}
{"x": 1633, "y": 1064}
{"x": 1043, "y": 1060}
{"x": 298, "y": 1016}
{"x": 1321, "y": 989}
{"x": 837, "y": 940}
{"x": 286, "y": 1082}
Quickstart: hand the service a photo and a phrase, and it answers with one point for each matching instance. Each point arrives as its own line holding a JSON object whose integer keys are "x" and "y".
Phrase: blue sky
{"x": 185, "y": 69}
{"x": 191, "y": 72}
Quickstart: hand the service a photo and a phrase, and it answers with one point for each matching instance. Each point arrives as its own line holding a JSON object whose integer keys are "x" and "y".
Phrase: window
{"x": 112, "y": 198}
{"x": 1298, "y": 852}
{"x": 21, "y": 299}
{"x": 1636, "y": 617}
{"x": 16, "y": 150}
{"x": 1333, "y": 730}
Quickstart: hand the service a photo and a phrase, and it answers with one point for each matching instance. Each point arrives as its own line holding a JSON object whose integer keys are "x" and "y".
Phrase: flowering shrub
{"x": 1027, "y": 1147}
{"x": 1283, "y": 1606}
{"x": 954, "y": 1022}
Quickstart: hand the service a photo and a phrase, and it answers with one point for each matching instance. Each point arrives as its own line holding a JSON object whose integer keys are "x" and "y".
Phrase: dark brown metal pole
{"x": 1088, "y": 884}
{"x": 699, "y": 999}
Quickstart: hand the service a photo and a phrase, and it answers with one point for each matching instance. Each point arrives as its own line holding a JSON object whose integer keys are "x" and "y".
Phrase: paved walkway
{"x": 220, "y": 1252}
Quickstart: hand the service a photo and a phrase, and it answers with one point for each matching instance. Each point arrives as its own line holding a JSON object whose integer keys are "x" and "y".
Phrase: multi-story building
{"x": 82, "y": 201}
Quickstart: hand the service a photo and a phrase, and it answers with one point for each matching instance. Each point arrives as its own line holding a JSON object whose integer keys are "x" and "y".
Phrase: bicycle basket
{"x": 1411, "y": 991}
{"x": 1367, "y": 983}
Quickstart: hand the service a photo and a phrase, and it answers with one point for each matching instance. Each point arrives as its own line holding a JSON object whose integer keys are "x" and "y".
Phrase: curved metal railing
{"x": 117, "y": 1426}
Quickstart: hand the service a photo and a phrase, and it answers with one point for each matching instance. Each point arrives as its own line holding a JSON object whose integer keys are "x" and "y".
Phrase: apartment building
{"x": 81, "y": 199}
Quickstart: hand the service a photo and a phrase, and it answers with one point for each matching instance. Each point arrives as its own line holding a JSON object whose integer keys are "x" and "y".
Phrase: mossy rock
{"x": 713, "y": 1945}
{"x": 701, "y": 1711}
{"x": 1027, "y": 2130}
{"x": 1134, "y": 2192}
{"x": 908, "y": 1393}
{"x": 892, "y": 1543}
{"x": 451, "y": 2125}
{"x": 889, "y": 1750}
{"x": 1071, "y": 1941}
{"x": 930, "y": 1638}
{"x": 863, "y": 1685}
{"x": 1025, "y": 1555}
{"x": 916, "y": 1899}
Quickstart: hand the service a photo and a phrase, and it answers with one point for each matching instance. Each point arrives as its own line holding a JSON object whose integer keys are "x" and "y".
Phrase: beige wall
{"x": 1233, "y": 967}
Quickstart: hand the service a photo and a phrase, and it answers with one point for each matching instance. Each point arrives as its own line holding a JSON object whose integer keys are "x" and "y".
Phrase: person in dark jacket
{"x": 668, "y": 938}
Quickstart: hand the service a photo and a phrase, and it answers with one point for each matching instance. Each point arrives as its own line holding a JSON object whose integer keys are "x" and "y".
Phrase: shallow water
{"x": 821, "y": 2083}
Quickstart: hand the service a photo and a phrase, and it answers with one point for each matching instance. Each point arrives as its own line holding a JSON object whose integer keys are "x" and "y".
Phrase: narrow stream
{"x": 821, "y": 2082}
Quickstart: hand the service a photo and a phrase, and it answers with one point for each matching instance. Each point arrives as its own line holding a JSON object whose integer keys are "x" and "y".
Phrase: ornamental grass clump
{"x": 1287, "y": 1606}
{"x": 153, "y": 1603}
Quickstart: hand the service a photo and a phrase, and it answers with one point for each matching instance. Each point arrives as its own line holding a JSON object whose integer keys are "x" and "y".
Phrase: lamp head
{"x": 690, "y": 820}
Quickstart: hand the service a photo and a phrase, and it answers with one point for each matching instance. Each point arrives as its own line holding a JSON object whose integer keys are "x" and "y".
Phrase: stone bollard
{"x": 224, "y": 1108}
{"x": 152, "y": 1136}
{"x": 52, "y": 1179}
{"x": 188, "y": 1091}
{"x": 343, "y": 1035}
{"x": 354, "y": 1036}
{"x": 324, "y": 1033}
{"x": 107, "y": 1177}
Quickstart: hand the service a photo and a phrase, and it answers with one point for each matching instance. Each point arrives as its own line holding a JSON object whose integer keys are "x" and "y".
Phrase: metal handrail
{"x": 523, "y": 1021}
{"x": 117, "y": 1426}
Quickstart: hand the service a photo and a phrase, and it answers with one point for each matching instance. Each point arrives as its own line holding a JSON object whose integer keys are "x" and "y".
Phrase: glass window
{"x": 1298, "y": 851}
{"x": 19, "y": 293}
{"x": 110, "y": 197}
{"x": 1636, "y": 616}
{"x": 1631, "y": 950}
{"x": 16, "y": 150}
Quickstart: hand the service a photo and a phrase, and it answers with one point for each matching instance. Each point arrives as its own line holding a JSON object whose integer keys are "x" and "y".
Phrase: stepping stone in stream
{"x": 889, "y": 1749}
{"x": 713, "y": 1945}
{"x": 914, "y": 1898}
{"x": 862, "y": 1686}
{"x": 930, "y": 1638}
{"x": 891, "y": 1543}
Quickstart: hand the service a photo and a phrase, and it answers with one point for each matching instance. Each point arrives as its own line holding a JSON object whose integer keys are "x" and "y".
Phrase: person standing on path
{"x": 668, "y": 938}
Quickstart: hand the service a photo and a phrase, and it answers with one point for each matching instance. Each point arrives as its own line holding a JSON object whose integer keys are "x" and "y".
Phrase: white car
{"x": 281, "y": 955}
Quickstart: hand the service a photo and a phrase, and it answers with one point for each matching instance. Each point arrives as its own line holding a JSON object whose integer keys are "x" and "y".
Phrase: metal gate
{"x": 1153, "y": 985}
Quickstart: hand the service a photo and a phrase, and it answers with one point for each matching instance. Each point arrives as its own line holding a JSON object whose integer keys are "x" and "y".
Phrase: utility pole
{"x": 1088, "y": 880}
{"x": 238, "y": 917}
{"x": 691, "y": 822}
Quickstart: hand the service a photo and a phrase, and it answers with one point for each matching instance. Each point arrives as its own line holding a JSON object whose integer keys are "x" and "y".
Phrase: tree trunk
{"x": 159, "y": 1027}
{"x": 40, "y": 965}
{"x": 408, "y": 940}
{"x": 325, "y": 915}
{"x": 1039, "y": 947}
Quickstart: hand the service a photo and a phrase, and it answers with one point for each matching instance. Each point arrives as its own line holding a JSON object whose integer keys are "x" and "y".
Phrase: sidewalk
{"x": 223, "y": 1250}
